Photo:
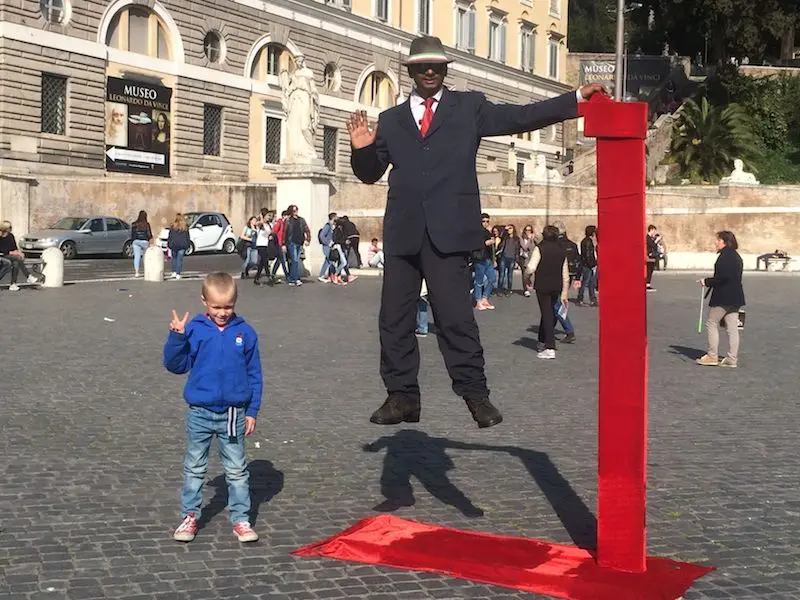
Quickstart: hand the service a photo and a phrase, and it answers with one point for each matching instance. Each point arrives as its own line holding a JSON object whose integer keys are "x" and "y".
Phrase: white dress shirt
{"x": 417, "y": 103}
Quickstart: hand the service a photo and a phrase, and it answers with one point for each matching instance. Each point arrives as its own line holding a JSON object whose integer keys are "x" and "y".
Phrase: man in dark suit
{"x": 432, "y": 221}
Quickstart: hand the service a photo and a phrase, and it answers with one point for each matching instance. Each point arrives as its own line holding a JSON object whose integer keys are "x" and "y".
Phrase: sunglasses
{"x": 420, "y": 68}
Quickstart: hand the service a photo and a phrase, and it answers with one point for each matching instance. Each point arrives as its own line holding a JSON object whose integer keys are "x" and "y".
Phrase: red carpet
{"x": 528, "y": 565}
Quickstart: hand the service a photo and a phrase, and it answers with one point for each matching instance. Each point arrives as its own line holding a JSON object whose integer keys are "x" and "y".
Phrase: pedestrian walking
{"x": 727, "y": 299}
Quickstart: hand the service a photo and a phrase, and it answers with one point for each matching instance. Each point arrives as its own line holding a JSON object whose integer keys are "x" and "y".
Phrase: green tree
{"x": 706, "y": 139}
{"x": 592, "y": 26}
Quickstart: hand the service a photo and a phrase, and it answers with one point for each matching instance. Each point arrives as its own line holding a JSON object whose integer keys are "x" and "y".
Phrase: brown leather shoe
{"x": 484, "y": 412}
{"x": 398, "y": 408}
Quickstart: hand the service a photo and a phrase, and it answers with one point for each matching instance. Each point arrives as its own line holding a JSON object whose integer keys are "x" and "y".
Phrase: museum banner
{"x": 138, "y": 119}
{"x": 644, "y": 73}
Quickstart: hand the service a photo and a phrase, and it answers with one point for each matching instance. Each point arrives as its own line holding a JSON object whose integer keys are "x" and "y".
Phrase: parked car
{"x": 208, "y": 232}
{"x": 78, "y": 236}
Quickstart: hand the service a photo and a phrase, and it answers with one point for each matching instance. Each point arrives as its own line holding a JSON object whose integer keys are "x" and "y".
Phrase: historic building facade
{"x": 111, "y": 106}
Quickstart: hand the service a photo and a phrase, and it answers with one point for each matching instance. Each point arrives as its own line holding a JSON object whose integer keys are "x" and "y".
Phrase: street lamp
{"x": 619, "y": 69}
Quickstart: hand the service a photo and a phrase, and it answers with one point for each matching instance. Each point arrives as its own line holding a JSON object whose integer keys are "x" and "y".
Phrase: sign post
{"x": 138, "y": 117}
{"x": 621, "y": 129}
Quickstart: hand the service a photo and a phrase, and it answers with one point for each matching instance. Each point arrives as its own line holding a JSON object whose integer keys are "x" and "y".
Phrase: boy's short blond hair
{"x": 220, "y": 282}
{"x": 5, "y": 226}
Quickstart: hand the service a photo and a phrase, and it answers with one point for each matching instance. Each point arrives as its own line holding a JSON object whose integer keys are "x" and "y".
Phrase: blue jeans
{"x": 342, "y": 264}
{"x": 588, "y": 284}
{"x": 250, "y": 258}
{"x": 565, "y": 323}
{"x": 177, "y": 261}
{"x": 484, "y": 270}
{"x": 281, "y": 260}
{"x": 506, "y": 272}
{"x": 326, "y": 265}
{"x": 139, "y": 246}
{"x": 201, "y": 425}
{"x": 422, "y": 316}
{"x": 294, "y": 258}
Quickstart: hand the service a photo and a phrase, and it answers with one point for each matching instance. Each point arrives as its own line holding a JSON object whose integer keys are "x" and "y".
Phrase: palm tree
{"x": 706, "y": 139}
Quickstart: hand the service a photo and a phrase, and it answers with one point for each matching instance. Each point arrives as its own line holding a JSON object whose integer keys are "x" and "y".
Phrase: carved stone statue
{"x": 301, "y": 105}
{"x": 739, "y": 175}
{"x": 536, "y": 171}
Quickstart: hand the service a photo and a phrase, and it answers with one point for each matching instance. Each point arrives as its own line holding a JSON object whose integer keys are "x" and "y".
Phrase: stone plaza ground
{"x": 93, "y": 439}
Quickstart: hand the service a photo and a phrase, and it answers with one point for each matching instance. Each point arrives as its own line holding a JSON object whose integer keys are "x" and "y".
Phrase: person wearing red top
{"x": 279, "y": 228}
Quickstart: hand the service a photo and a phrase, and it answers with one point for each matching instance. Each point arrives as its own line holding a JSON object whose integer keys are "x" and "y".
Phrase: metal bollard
{"x": 154, "y": 264}
{"x": 53, "y": 269}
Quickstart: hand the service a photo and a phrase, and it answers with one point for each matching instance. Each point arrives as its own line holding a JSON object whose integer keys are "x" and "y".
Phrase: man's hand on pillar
{"x": 590, "y": 89}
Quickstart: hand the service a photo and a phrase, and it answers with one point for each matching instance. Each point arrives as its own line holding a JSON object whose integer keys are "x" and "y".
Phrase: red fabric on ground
{"x": 528, "y": 565}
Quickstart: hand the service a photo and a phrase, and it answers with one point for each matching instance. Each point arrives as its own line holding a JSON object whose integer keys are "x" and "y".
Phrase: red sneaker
{"x": 245, "y": 532}
{"x": 186, "y": 530}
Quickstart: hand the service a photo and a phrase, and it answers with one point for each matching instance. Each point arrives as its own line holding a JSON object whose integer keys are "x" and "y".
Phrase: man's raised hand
{"x": 178, "y": 325}
{"x": 589, "y": 90}
{"x": 361, "y": 135}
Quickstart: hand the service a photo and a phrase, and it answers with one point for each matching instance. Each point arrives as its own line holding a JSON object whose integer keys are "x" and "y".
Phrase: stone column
{"x": 307, "y": 186}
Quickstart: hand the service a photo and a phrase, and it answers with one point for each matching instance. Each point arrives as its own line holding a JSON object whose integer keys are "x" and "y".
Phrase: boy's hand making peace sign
{"x": 178, "y": 325}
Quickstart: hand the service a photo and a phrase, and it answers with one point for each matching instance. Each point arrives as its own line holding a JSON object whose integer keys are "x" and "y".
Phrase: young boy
{"x": 219, "y": 350}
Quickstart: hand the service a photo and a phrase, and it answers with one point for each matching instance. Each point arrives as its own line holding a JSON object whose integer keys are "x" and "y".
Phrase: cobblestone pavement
{"x": 93, "y": 438}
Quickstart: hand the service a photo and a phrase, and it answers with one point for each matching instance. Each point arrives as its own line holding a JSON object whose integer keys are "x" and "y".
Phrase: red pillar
{"x": 621, "y": 129}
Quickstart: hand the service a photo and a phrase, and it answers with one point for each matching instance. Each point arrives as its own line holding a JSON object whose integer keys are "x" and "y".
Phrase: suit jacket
{"x": 433, "y": 183}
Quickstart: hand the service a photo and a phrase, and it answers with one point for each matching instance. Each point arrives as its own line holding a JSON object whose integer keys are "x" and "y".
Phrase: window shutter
{"x": 471, "y": 36}
{"x": 502, "y": 42}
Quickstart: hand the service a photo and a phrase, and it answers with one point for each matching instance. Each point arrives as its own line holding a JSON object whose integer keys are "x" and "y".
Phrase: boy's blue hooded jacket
{"x": 224, "y": 366}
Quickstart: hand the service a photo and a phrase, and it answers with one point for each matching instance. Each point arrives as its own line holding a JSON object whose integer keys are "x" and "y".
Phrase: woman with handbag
{"x": 727, "y": 298}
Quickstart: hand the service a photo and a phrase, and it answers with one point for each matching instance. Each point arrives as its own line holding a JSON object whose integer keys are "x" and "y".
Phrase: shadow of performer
{"x": 266, "y": 482}
{"x": 411, "y": 452}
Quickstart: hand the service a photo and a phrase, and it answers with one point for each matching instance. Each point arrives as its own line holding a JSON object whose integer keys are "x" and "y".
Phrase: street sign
{"x": 138, "y": 133}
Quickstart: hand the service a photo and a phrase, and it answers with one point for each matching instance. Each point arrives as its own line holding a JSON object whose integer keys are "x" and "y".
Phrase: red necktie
{"x": 427, "y": 117}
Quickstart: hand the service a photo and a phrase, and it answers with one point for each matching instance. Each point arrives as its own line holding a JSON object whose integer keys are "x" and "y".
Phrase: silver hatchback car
{"x": 76, "y": 236}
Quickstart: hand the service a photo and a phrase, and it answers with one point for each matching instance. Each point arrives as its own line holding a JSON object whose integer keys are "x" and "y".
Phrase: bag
{"x": 242, "y": 247}
{"x": 272, "y": 247}
{"x": 320, "y": 239}
{"x": 333, "y": 255}
{"x": 742, "y": 318}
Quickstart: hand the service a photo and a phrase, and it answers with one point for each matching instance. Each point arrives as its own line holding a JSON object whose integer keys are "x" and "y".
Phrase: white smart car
{"x": 208, "y": 232}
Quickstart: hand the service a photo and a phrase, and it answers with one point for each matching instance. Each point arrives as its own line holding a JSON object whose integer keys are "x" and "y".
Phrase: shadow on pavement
{"x": 413, "y": 453}
{"x": 266, "y": 482}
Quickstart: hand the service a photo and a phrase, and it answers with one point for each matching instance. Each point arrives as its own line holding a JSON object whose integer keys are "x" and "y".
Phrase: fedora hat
{"x": 426, "y": 49}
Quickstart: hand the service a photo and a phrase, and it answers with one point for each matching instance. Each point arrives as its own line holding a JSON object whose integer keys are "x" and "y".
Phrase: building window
{"x": 271, "y": 60}
{"x": 212, "y": 130}
{"x": 377, "y": 91}
{"x": 138, "y": 29}
{"x": 272, "y": 140}
{"x": 555, "y": 8}
{"x": 382, "y": 10}
{"x": 527, "y": 48}
{"x": 497, "y": 37}
{"x": 424, "y": 12}
{"x": 332, "y": 78}
{"x": 54, "y": 104}
{"x": 552, "y": 68}
{"x": 465, "y": 27}
{"x": 214, "y": 47}
{"x": 330, "y": 142}
{"x": 54, "y": 11}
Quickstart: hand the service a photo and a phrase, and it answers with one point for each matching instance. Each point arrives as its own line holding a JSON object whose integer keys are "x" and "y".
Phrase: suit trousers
{"x": 448, "y": 280}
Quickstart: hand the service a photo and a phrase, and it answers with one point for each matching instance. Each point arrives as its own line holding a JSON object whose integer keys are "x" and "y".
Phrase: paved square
{"x": 93, "y": 439}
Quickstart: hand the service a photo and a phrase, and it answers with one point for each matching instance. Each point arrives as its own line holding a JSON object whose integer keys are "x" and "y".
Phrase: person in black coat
{"x": 588, "y": 266}
{"x": 432, "y": 220}
{"x": 727, "y": 297}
